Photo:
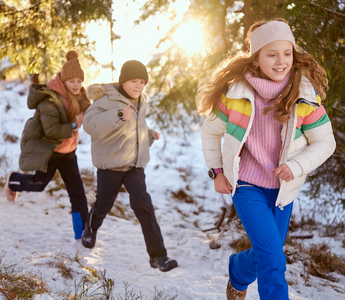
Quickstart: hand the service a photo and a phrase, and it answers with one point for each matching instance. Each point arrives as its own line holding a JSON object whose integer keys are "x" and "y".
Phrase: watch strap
{"x": 212, "y": 173}
{"x": 219, "y": 170}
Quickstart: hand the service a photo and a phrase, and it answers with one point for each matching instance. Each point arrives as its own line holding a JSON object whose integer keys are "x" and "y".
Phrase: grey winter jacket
{"x": 116, "y": 143}
{"x": 45, "y": 130}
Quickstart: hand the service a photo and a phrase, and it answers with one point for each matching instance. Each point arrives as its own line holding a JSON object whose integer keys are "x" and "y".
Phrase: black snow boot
{"x": 88, "y": 238}
{"x": 164, "y": 263}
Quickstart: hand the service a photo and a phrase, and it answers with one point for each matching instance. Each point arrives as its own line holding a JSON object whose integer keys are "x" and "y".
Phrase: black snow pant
{"x": 109, "y": 183}
{"x": 68, "y": 168}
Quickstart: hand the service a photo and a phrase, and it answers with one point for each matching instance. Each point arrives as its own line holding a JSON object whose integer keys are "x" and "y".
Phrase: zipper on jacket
{"x": 281, "y": 152}
{"x": 138, "y": 139}
{"x": 251, "y": 120}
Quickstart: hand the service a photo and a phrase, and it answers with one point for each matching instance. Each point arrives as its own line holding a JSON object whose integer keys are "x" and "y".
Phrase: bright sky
{"x": 137, "y": 42}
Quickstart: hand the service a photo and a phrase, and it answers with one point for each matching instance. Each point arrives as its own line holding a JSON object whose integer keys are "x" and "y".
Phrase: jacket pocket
{"x": 289, "y": 191}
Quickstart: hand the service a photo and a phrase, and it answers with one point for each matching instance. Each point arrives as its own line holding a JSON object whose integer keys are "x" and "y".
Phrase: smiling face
{"x": 134, "y": 87}
{"x": 74, "y": 85}
{"x": 275, "y": 60}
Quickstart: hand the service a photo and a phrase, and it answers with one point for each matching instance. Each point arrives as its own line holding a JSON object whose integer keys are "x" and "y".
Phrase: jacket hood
{"x": 58, "y": 86}
{"x": 97, "y": 91}
{"x": 308, "y": 93}
{"x": 37, "y": 93}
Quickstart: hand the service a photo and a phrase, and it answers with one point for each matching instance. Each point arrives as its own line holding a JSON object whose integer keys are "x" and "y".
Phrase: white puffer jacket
{"x": 307, "y": 137}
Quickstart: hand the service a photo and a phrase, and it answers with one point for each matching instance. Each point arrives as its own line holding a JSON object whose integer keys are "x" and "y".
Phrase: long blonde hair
{"x": 77, "y": 104}
{"x": 232, "y": 70}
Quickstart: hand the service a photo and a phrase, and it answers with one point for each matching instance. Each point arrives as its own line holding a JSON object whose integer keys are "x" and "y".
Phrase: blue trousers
{"x": 109, "y": 183}
{"x": 69, "y": 171}
{"x": 266, "y": 226}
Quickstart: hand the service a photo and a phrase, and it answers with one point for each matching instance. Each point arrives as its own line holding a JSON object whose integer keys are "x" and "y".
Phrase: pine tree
{"x": 175, "y": 74}
{"x": 37, "y": 34}
{"x": 319, "y": 28}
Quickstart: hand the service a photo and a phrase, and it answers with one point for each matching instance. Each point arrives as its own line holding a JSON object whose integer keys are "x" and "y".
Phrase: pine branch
{"x": 327, "y": 9}
{"x": 17, "y": 11}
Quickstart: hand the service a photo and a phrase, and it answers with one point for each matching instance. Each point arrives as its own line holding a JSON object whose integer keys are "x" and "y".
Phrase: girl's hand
{"x": 157, "y": 135}
{"x": 127, "y": 113}
{"x": 283, "y": 172}
{"x": 221, "y": 184}
{"x": 79, "y": 119}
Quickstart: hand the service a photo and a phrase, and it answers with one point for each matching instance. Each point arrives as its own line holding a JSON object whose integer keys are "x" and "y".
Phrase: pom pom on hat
{"x": 71, "y": 54}
{"x": 133, "y": 69}
{"x": 71, "y": 68}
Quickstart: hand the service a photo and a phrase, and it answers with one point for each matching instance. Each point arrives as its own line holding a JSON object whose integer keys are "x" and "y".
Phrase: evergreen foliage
{"x": 37, "y": 34}
{"x": 319, "y": 28}
{"x": 175, "y": 74}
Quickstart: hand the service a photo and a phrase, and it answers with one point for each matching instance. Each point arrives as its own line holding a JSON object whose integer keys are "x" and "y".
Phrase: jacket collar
{"x": 96, "y": 91}
{"x": 241, "y": 90}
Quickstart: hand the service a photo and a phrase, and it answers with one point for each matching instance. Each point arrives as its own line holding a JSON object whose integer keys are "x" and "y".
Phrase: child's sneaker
{"x": 164, "y": 263}
{"x": 10, "y": 195}
{"x": 88, "y": 238}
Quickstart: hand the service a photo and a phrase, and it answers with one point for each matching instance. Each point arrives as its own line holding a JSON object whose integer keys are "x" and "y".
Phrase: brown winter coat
{"x": 45, "y": 130}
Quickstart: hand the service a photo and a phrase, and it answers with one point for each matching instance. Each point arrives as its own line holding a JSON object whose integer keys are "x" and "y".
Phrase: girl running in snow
{"x": 50, "y": 138}
{"x": 268, "y": 105}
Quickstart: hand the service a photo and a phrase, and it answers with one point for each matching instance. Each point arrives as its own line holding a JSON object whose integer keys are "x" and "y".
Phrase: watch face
{"x": 211, "y": 174}
{"x": 120, "y": 114}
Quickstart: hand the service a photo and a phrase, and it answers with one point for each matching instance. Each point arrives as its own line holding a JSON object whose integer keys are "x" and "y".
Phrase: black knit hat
{"x": 133, "y": 69}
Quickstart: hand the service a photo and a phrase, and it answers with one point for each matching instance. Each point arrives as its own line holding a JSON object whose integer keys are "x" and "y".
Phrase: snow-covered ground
{"x": 37, "y": 236}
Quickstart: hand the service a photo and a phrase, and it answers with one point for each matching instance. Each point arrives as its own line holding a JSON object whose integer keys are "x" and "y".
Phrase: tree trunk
{"x": 34, "y": 78}
{"x": 255, "y": 10}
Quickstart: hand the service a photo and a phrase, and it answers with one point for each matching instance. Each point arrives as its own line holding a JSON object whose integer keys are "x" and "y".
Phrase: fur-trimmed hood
{"x": 97, "y": 91}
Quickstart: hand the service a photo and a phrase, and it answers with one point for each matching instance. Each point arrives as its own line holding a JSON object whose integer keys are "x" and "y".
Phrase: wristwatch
{"x": 74, "y": 126}
{"x": 120, "y": 114}
{"x": 212, "y": 173}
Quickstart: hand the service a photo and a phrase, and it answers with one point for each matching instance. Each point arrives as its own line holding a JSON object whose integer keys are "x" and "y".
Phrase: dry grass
{"x": 182, "y": 196}
{"x": 16, "y": 284}
{"x": 19, "y": 284}
{"x": 10, "y": 138}
{"x": 325, "y": 260}
{"x": 241, "y": 244}
{"x": 318, "y": 260}
{"x": 88, "y": 177}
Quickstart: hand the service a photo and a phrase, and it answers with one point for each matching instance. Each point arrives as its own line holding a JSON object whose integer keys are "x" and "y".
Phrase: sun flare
{"x": 189, "y": 36}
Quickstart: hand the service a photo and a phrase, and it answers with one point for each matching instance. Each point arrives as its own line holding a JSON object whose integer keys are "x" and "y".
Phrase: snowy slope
{"x": 37, "y": 236}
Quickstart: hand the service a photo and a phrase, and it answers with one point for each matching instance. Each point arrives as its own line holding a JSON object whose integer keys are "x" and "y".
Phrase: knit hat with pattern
{"x": 133, "y": 69}
{"x": 71, "y": 68}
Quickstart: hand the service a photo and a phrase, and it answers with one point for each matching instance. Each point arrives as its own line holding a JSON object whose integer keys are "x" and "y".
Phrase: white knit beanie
{"x": 268, "y": 33}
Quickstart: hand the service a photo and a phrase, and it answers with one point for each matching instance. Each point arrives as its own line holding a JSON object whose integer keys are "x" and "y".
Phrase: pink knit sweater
{"x": 261, "y": 150}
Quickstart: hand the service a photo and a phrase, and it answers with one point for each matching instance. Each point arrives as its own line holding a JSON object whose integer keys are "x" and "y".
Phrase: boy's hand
{"x": 157, "y": 135}
{"x": 283, "y": 172}
{"x": 221, "y": 184}
{"x": 127, "y": 113}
